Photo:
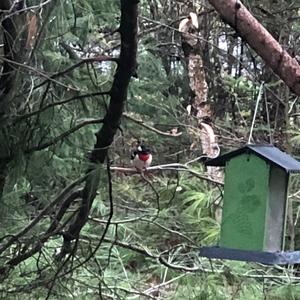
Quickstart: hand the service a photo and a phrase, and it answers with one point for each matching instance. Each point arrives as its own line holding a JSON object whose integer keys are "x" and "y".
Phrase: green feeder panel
{"x": 244, "y": 209}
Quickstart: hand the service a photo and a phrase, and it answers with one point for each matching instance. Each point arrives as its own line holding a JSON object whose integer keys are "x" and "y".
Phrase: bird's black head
{"x": 143, "y": 149}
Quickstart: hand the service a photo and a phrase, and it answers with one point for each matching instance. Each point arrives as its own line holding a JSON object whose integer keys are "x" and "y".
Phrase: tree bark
{"x": 200, "y": 107}
{"x": 13, "y": 30}
{"x": 198, "y": 102}
{"x": 237, "y": 16}
{"x": 5, "y": 4}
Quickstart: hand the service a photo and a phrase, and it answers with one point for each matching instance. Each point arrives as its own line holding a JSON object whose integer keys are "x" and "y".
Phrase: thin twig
{"x": 169, "y": 167}
{"x": 36, "y": 112}
{"x": 52, "y": 203}
{"x": 64, "y": 135}
{"x": 99, "y": 58}
{"x": 151, "y": 128}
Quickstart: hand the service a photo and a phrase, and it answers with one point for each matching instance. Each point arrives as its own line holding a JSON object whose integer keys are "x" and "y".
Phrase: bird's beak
{"x": 139, "y": 148}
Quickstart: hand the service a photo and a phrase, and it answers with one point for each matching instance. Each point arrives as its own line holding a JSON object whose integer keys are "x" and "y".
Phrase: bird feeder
{"x": 254, "y": 205}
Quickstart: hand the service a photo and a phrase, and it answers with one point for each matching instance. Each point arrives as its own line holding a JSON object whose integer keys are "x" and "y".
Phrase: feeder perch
{"x": 254, "y": 205}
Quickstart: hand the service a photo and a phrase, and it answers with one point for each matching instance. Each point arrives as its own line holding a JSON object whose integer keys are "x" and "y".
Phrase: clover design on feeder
{"x": 254, "y": 205}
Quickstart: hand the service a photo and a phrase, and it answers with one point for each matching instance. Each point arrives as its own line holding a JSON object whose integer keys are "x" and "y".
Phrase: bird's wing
{"x": 133, "y": 154}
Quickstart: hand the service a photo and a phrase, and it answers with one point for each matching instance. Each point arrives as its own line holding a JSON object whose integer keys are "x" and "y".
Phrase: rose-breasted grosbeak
{"x": 141, "y": 157}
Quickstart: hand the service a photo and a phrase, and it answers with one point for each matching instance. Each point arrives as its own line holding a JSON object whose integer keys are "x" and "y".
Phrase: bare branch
{"x": 169, "y": 167}
{"x": 36, "y": 112}
{"x": 145, "y": 125}
{"x": 64, "y": 135}
{"x": 100, "y": 58}
{"x": 183, "y": 236}
{"x": 56, "y": 200}
{"x": 37, "y": 72}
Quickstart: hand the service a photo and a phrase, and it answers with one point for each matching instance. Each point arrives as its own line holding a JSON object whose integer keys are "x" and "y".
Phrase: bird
{"x": 141, "y": 157}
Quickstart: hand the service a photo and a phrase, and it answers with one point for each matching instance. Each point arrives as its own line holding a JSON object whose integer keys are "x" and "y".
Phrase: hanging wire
{"x": 255, "y": 111}
{"x": 268, "y": 121}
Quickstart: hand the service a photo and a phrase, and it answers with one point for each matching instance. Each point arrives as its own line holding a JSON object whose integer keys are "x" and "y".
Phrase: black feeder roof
{"x": 269, "y": 153}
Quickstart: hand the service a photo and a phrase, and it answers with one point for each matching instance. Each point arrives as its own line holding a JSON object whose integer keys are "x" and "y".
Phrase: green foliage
{"x": 159, "y": 220}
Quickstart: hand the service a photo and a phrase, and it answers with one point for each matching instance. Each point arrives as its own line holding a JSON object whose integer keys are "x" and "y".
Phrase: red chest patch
{"x": 144, "y": 157}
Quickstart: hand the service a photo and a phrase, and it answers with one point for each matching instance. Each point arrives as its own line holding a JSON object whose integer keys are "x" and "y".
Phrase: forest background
{"x": 81, "y": 82}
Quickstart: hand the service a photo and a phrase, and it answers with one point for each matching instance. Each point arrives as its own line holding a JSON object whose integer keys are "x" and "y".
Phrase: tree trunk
{"x": 199, "y": 105}
{"x": 111, "y": 122}
{"x": 13, "y": 33}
